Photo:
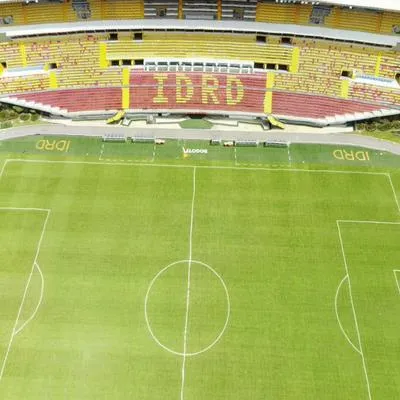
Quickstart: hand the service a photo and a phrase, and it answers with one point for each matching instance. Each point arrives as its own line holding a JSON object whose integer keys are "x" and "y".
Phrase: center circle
{"x": 206, "y": 286}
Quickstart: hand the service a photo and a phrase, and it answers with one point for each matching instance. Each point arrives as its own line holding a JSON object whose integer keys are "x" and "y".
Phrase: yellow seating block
{"x": 200, "y": 45}
{"x": 42, "y": 13}
{"x": 123, "y": 9}
{"x": 14, "y": 10}
{"x": 389, "y": 19}
{"x": 276, "y": 13}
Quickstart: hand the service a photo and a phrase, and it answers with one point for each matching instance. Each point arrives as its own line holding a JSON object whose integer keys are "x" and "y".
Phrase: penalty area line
{"x": 394, "y": 192}
{"x": 3, "y": 167}
{"x": 397, "y": 271}
{"x": 354, "y": 311}
{"x": 15, "y": 331}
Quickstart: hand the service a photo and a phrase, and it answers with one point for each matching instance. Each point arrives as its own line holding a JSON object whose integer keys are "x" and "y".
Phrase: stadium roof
{"x": 315, "y": 32}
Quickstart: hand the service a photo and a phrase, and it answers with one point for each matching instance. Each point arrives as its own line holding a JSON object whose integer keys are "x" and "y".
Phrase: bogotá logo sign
{"x": 187, "y": 151}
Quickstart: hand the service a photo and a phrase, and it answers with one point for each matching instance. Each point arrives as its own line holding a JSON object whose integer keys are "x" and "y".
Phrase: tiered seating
{"x": 239, "y": 9}
{"x": 77, "y": 58}
{"x": 23, "y": 83}
{"x": 276, "y": 13}
{"x": 316, "y": 107}
{"x": 389, "y": 22}
{"x": 200, "y": 45}
{"x": 199, "y": 9}
{"x": 41, "y": 13}
{"x": 390, "y": 65}
{"x": 20, "y": 13}
{"x": 71, "y": 11}
{"x": 74, "y": 100}
{"x": 321, "y": 67}
{"x": 161, "y": 9}
{"x": 83, "y": 61}
{"x": 197, "y": 92}
{"x": 122, "y": 9}
{"x": 283, "y": 13}
{"x": 10, "y": 52}
{"x": 376, "y": 94}
{"x": 12, "y": 13}
{"x": 354, "y": 19}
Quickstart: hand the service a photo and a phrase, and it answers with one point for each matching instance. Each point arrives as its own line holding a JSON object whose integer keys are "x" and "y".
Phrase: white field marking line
{"x": 337, "y": 316}
{"x": 3, "y": 167}
{"x": 394, "y": 192}
{"x": 289, "y": 155}
{"x": 23, "y": 209}
{"x": 228, "y": 304}
{"x": 185, "y": 331}
{"x": 101, "y": 151}
{"x": 351, "y": 221}
{"x": 38, "y": 304}
{"x": 396, "y": 271}
{"x": 354, "y": 312}
{"x": 328, "y": 171}
{"x": 24, "y": 295}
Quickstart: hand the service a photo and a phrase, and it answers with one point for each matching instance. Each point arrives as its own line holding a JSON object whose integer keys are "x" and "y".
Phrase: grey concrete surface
{"x": 303, "y": 137}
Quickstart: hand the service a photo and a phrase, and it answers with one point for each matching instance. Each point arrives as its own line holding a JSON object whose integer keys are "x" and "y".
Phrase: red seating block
{"x": 78, "y": 99}
{"x": 310, "y": 106}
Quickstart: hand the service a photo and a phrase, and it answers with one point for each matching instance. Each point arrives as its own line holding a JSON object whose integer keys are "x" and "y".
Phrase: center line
{"x": 185, "y": 331}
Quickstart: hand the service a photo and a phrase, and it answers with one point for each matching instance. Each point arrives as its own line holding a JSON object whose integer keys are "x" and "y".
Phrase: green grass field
{"x": 133, "y": 272}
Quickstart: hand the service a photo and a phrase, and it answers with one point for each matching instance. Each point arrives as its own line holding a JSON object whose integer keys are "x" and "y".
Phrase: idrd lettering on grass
{"x": 53, "y": 145}
{"x": 342, "y": 154}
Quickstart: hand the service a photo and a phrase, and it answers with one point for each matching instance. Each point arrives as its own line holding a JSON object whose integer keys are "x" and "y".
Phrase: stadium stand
{"x": 22, "y": 13}
{"x": 339, "y": 17}
{"x": 271, "y": 11}
{"x": 121, "y": 9}
{"x": 199, "y": 64}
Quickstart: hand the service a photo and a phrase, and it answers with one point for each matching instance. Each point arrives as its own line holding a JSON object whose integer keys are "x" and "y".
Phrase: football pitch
{"x": 230, "y": 274}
